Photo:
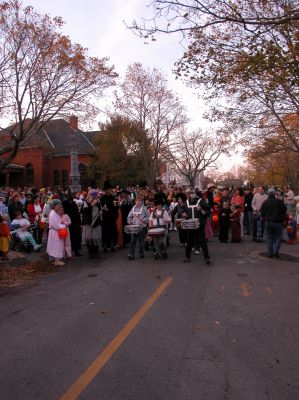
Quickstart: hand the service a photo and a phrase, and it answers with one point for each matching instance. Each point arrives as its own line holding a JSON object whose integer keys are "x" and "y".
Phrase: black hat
{"x": 124, "y": 191}
{"x": 159, "y": 201}
{"x": 107, "y": 185}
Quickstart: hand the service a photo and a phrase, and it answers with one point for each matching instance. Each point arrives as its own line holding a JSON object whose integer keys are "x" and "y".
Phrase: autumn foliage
{"x": 43, "y": 75}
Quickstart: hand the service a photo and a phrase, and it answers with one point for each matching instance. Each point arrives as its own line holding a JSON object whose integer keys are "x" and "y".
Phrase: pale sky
{"x": 98, "y": 25}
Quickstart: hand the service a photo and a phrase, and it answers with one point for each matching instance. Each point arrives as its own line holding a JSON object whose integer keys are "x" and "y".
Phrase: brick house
{"x": 44, "y": 157}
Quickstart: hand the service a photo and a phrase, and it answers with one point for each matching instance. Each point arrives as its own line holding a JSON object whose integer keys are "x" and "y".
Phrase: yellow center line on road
{"x": 90, "y": 373}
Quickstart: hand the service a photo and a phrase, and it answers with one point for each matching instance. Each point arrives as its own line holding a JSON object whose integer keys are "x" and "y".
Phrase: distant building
{"x": 173, "y": 175}
{"x": 44, "y": 157}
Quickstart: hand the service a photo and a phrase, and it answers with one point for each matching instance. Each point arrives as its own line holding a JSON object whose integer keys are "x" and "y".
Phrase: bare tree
{"x": 43, "y": 75}
{"x": 185, "y": 16}
{"x": 243, "y": 55}
{"x": 145, "y": 98}
{"x": 195, "y": 152}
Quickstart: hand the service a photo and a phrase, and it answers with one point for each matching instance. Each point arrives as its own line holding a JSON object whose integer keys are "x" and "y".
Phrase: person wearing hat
{"x": 160, "y": 195}
{"x": 92, "y": 223}
{"x": 210, "y": 194}
{"x": 71, "y": 209}
{"x": 195, "y": 207}
{"x": 273, "y": 212}
{"x": 159, "y": 218}
{"x": 110, "y": 214}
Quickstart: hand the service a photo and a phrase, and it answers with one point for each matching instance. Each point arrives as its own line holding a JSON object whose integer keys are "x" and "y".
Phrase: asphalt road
{"x": 229, "y": 331}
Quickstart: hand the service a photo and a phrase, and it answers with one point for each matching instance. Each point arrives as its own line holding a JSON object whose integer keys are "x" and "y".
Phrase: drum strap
{"x": 193, "y": 206}
{"x": 158, "y": 217}
{"x": 137, "y": 212}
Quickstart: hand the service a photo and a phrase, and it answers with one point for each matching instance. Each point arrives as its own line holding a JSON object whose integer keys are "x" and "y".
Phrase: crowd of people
{"x": 112, "y": 218}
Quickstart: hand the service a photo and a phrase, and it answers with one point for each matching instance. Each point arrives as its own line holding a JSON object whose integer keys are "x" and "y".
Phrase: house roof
{"x": 55, "y": 136}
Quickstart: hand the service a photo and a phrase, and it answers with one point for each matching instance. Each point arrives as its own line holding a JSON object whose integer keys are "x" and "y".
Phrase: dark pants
{"x": 182, "y": 235}
{"x": 248, "y": 222}
{"x": 223, "y": 234}
{"x": 197, "y": 237}
{"x": 38, "y": 235}
{"x": 274, "y": 233}
{"x": 109, "y": 234}
{"x": 140, "y": 237}
{"x": 258, "y": 227}
{"x": 75, "y": 236}
{"x": 93, "y": 250}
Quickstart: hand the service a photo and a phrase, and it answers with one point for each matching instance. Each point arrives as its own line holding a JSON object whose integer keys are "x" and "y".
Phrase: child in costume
{"x": 292, "y": 229}
{"x": 4, "y": 238}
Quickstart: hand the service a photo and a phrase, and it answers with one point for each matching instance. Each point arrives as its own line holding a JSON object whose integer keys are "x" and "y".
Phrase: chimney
{"x": 74, "y": 122}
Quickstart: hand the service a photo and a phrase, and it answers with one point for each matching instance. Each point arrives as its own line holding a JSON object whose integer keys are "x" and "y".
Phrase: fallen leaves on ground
{"x": 11, "y": 276}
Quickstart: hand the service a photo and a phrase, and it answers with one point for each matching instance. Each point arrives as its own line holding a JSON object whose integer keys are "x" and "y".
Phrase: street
{"x": 115, "y": 329}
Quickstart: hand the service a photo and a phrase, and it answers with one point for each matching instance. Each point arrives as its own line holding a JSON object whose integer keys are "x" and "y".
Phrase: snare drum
{"x": 132, "y": 229}
{"x": 156, "y": 232}
{"x": 190, "y": 223}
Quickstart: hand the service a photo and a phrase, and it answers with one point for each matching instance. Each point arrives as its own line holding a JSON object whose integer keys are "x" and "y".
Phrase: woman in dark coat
{"x": 71, "y": 209}
{"x": 110, "y": 214}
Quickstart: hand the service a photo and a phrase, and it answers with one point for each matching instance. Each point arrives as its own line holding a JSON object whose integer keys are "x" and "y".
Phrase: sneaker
{"x": 208, "y": 261}
{"x": 58, "y": 263}
{"x": 37, "y": 247}
{"x": 157, "y": 256}
{"x": 197, "y": 252}
{"x": 130, "y": 257}
{"x": 186, "y": 260}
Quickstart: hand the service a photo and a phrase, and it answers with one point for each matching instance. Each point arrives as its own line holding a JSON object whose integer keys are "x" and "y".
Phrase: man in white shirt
{"x": 258, "y": 223}
{"x": 289, "y": 199}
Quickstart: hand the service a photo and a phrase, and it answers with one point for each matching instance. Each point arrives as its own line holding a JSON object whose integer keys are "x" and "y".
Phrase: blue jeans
{"x": 274, "y": 233}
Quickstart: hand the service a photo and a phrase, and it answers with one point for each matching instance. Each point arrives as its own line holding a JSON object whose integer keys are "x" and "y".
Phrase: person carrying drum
{"x": 137, "y": 222}
{"x": 195, "y": 211}
{"x": 158, "y": 223}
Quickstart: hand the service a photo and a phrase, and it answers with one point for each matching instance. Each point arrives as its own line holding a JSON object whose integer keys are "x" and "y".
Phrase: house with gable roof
{"x": 44, "y": 157}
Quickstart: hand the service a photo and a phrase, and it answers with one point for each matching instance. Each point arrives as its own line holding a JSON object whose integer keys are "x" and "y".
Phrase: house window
{"x": 64, "y": 178}
{"x": 29, "y": 174}
{"x": 56, "y": 178}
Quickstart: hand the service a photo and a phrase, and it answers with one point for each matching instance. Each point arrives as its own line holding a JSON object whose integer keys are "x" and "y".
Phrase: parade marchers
{"x": 110, "y": 218}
